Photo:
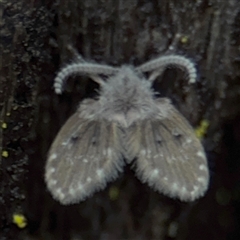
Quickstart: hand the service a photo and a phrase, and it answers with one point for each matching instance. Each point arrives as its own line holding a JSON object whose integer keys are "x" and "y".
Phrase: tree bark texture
{"x": 34, "y": 36}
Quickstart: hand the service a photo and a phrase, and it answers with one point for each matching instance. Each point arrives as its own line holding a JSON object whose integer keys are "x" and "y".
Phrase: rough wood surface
{"x": 33, "y": 45}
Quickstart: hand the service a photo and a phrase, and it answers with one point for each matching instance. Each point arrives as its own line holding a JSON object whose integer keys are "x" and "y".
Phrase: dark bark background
{"x": 34, "y": 36}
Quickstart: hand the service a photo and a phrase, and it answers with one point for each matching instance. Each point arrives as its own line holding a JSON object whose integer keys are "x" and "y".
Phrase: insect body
{"x": 125, "y": 123}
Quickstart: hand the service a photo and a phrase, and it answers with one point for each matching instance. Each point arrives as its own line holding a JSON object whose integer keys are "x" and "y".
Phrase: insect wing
{"x": 84, "y": 156}
{"x": 171, "y": 158}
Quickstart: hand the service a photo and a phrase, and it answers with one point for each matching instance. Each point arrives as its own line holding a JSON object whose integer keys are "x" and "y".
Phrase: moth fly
{"x": 126, "y": 122}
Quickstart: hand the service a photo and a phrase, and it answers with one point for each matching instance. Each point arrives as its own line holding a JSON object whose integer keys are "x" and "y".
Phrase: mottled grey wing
{"x": 171, "y": 159}
{"x": 84, "y": 156}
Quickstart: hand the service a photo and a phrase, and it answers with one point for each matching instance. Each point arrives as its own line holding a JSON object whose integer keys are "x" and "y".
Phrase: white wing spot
{"x": 104, "y": 152}
{"x": 201, "y": 180}
{"x": 154, "y": 173}
{"x": 80, "y": 187}
{"x": 85, "y": 160}
{"x": 184, "y": 190}
{"x": 49, "y": 172}
{"x": 189, "y": 140}
{"x": 200, "y": 154}
{"x": 64, "y": 143}
{"x": 72, "y": 191}
{"x": 165, "y": 179}
{"x": 175, "y": 187}
{"x": 169, "y": 160}
{"x": 100, "y": 173}
{"x": 109, "y": 151}
{"x": 195, "y": 190}
{"x": 89, "y": 179}
{"x": 52, "y": 170}
{"x": 91, "y": 116}
{"x": 52, "y": 182}
{"x": 60, "y": 193}
{"x": 202, "y": 167}
{"x": 53, "y": 156}
{"x": 149, "y": 152}
{"x": 143, "y": 152}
